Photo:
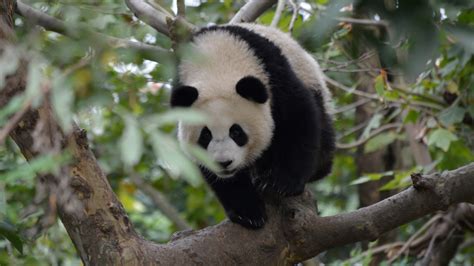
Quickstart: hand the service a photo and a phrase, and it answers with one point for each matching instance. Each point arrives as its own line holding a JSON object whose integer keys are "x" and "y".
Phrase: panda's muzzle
{"x": 226, "y": 173}
{"x": 225, "y": 164}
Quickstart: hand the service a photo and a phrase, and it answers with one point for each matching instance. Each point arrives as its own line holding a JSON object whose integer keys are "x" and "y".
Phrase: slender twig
{"x": 159, "y": 7}
{"x": 468, "y": 243}
{"x": 371, "y": 135}
{"x": 368, "y": 22}
{"x": 415, "y": 236}
{"x": 338, "y": 85}
{"x": 433, "y": 99}
{"x": 161, "y": 202}
{"x": 342, "y": 70}
{"x": 53, "y": 24}
{"x": 350, "y": 90}
{"x": 13, "y": 121}
{"x": 296, "y": 8}
{"x": 371, "y": 252}
{"x": 351, "y": 106}
{"x": 353, "y": 130}
{"x": 181, "y": 8}
{"x": 279, "y": 10}
{"x": 252, "y": 10}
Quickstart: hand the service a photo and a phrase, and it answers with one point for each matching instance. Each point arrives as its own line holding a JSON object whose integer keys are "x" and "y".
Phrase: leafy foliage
{"x": 425, "y": 77}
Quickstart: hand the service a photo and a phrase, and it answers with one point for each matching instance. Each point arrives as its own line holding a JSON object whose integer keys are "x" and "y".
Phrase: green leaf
{"x": 401, "y": 179}
{"x": 12, "y": 106}
{"x": 411, "y": 117}
{"x": 448, "y": 68}
{"x": 185, "y": 115}
{"x": 3, "y": 200}
{"x": 360, "y": 180}
{"x": 40, "y": 165}
{"x": 203, "y": 157}
{"x": 9, "y": 232}
{"x": 173, "y": 159}
{"x": 131, "y": 142}
{"x": 380, "y": 141}
{"x": 380, "y": 85}
{"x": 8, "y": 63}
{"x": 441, "y": 138}
{"x": 452, "y": 115}
{"x": 370, "y": 177}
{"x": 63, "y": 99}
{"x": 373, "y": 123}
{"x": 470, "y": 109}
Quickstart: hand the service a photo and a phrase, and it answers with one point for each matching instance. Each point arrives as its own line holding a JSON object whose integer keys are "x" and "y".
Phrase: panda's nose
{"x": 225, "y": 164}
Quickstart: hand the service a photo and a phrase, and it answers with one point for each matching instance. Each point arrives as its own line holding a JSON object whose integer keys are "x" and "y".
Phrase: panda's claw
{"x": 252, "y": 218}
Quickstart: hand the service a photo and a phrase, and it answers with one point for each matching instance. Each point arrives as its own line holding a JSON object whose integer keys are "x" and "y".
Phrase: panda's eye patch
{"x": 205, "y": 137}
{"x": 238, "y": 135}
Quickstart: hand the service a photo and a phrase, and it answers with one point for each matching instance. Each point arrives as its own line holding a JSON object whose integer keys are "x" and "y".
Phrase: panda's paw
{"x": 252, "y": 218}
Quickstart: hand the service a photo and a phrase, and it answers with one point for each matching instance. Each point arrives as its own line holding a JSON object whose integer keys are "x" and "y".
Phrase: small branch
{"x": 252, "y": 10}
{"x": 278, "y": 12}
{"x": 350, "y": 90}
{"x": 161, "y": 202}
{"x": 370, "y": 222}
{"x": 353, "y": 130}
{"x": 11, "y": 124}
{"x": 351, "y": 106}
{"x": 53, "y": 24}
{"x": 296, "y": 8}
{"x": 430, "y": 98}
{"x": 181, "y": 8}
{"x": 149, "y": 15}
{"x": 368, "y": 22}
{"x": 371, "y": 135}
{"x": 415, "y": 236}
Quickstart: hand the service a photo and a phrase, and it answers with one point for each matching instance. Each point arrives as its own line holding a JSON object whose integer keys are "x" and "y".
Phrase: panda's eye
{"x": 205, "y": 137}
{"x": 238, "y": 135}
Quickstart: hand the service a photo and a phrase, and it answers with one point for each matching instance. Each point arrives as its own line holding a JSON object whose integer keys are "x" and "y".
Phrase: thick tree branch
{"x": 252, "y": 10}
{"x": 53, "y": 24}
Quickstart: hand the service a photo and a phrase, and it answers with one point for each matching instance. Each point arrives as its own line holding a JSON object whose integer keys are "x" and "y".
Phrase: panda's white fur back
{"x": 302, "y": 63}
{"x": 231, "y": 55}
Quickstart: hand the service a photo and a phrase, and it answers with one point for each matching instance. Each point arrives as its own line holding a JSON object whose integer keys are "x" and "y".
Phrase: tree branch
{"x": 181, "y": 8}
{"x": 252, "y": 10}
{"x": 278, "y": 12}
{"x": 367, "y": 22}
{"x": 371, "y": 135}
{"x": 53, "y": 24}
{"x": 161, "y": 202}
{"x": 149, "y": 15}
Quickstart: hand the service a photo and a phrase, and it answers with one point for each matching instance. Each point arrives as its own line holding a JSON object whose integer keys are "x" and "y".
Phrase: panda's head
{"x": 239, "y": 124}
{"x": 221, "y": 76}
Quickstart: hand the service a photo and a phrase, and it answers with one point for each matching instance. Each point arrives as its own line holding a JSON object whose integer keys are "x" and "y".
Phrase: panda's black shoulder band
{"x": 252, "y": 88}
{"x": 183, "y": 96}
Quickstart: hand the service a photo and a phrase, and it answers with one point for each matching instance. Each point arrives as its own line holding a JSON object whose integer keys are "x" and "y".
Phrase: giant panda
{"x": 269, "y": 125}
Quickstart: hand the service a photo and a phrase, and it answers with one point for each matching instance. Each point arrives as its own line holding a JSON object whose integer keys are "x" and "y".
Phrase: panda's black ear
{"x": 183, "y": 96}
{"x": 252, "y": 88}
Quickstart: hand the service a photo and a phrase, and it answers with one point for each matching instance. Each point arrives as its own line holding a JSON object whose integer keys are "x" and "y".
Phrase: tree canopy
{"x": 84, "y": 91}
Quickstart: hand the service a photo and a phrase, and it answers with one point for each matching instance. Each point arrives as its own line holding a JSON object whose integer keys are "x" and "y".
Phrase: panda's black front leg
{"x": 280, "y": 181}
{"x": 240, "y": 199}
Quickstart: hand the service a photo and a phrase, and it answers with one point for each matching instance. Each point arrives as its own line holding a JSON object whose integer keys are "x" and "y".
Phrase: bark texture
{"x": 103, "y": 235}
